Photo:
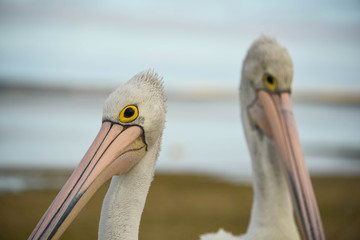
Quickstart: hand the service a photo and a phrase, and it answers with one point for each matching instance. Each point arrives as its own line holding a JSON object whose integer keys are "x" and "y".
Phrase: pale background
{"x": 59, "y": 60}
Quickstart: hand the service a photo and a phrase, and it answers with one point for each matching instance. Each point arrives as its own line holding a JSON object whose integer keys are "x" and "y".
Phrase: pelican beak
{"x": 115, "y": 150}
{"x": 272, "y": 113}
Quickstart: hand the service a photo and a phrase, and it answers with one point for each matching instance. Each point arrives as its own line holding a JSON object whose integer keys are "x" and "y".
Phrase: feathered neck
{"x": 125, "y": 200}
{"x": 272, "y": 212}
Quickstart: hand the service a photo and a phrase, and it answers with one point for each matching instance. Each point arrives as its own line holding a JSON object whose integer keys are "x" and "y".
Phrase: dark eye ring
{"x": 270, "y": 82}
{"x": 129, "y": 113}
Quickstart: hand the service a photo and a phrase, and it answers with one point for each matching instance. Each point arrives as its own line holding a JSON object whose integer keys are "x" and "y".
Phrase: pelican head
{"x": 139, "y": 102}
{"x": 270, "y": 124}
{"x": 132, "y": 124}
{"x": 267, "y": 66}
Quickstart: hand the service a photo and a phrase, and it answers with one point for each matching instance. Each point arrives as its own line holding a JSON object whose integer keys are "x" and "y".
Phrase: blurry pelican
{"x": 126, "y": 149}
{"x": 281, "y": 180}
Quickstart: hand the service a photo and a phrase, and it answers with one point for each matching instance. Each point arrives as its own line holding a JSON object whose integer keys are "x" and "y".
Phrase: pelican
{"x": 126, "y": 149}
{"x": 281, "y": 184}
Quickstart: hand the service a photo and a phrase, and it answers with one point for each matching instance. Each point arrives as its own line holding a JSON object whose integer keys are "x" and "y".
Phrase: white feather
{"x": 125, "y": 199}
{"x": 220, "y": 235}
{"x": 272, "y": 212}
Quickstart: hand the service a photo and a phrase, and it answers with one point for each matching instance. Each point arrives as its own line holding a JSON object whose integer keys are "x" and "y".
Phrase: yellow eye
{"x": 270, "y": 82}
{"x": 129, "y": 113}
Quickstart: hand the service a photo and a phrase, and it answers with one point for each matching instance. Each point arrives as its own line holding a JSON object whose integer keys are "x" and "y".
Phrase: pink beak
{"x": 115, "y": 150}
{"x": 273, "y": 114}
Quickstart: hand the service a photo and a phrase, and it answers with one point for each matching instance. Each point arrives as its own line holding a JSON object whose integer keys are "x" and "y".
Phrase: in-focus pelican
{"x": 282, "y": 184}
{"x": 126, "y": 149}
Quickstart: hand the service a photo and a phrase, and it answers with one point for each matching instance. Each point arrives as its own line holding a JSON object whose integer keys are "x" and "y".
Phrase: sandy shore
{"x": 183, "y": 207}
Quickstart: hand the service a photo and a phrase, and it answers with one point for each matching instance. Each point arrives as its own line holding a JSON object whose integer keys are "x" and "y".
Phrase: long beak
{"x": 115, "y": 150}
{"x": 278, "y": 122}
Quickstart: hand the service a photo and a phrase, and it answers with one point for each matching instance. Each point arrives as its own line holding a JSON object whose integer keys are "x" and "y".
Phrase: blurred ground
{"x": 185, "y": 206}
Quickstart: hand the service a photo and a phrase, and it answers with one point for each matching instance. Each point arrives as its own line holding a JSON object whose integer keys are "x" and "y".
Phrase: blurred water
{"x": 91, "y": 43}
{"x": 193, "y": 45}
{"x": 54, "y": 131}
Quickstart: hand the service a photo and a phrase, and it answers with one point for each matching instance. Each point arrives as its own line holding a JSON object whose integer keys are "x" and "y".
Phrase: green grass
{"x": 183, "y": 207}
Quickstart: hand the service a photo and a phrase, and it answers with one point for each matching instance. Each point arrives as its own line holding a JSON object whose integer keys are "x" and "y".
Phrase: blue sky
{"x": 193, "y": 44}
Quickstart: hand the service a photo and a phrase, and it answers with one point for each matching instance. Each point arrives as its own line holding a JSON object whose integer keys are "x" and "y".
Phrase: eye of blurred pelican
{"x": 270, "y": 82}
{"x": 129, "y": 113}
